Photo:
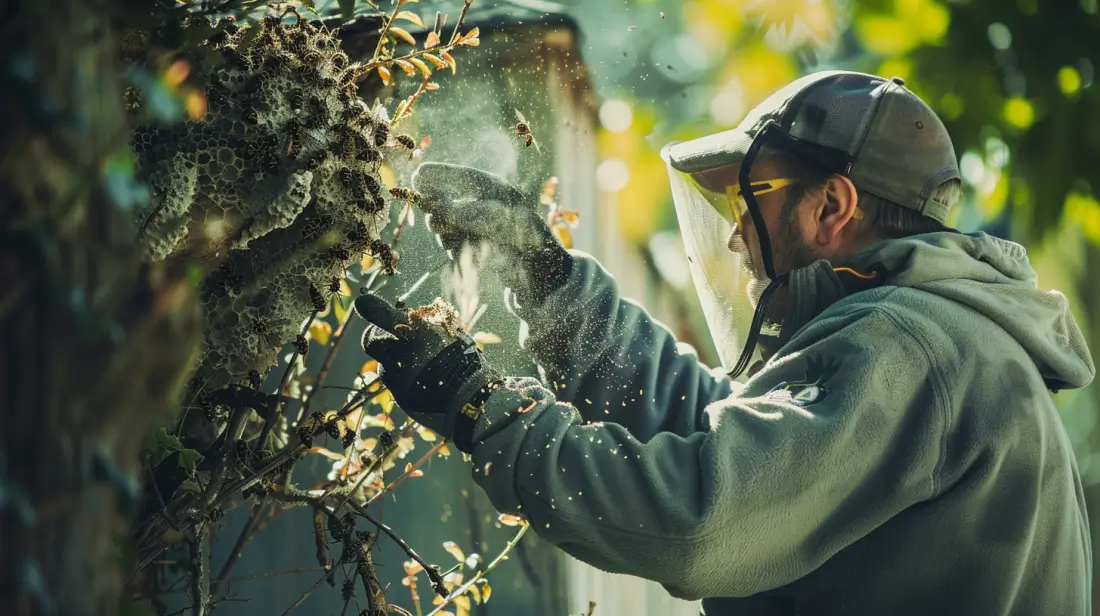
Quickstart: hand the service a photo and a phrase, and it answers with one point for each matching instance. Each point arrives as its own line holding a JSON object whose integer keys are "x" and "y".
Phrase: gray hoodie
{"x": 900, "y": 453}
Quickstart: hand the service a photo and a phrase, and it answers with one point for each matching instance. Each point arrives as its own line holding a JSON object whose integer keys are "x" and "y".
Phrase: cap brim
{"x": 709, "y": 152}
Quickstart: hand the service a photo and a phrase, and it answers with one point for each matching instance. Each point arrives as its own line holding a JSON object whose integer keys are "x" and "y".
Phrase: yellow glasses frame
{"x": 737, "y": 203}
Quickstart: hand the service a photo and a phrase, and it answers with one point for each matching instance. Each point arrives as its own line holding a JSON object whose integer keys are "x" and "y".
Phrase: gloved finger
{"x": 441, "y": 184}
{"x": 380, "y": 313}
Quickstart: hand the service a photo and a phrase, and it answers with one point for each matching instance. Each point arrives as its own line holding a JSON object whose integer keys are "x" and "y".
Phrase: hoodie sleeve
{"x": 613, "y": 362}
{"x": 825, "y": 444}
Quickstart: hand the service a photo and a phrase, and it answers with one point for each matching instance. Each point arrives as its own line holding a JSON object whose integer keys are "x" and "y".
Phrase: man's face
{"x": 790, "y": 246}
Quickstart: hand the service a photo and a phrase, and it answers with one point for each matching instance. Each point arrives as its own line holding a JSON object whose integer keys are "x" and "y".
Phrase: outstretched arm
{"x": 610, "y": 359}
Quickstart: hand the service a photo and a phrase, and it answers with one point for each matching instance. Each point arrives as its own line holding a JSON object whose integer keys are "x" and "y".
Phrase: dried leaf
{"x": 431, "y": 85}
{"x": 463, "y": 603}
{"x": 404, "y": 35}
{"x": 486, "y": 592}
{"x": 563, "y": 235}
{"x": 509, "y": 519}
{"x": 320, "y": 331}
{"x": 402, "y": 109}
{"x": 410, "y": 16}
{"x": 470, "y": 38}
{"x": 412, "y": 567}
{"x": 449, "y": 59}
{"x": 475, "y": 592}
{"x": 453, "y": 549}
{"x": 384, "y": 73}
{"x": 472, "y": 560}
{"x": 405, "y": 66}
{"x": 572, "y": 218}
{"x": 425, "y": 434}
{"x": 431, "y": 41}
{"x": 421, "y": 66}
{"x": 417, "y": 473}
{"x": 444, "y": 451}
{"x": 331, "y": 455}
{"x": 439, "y": 64}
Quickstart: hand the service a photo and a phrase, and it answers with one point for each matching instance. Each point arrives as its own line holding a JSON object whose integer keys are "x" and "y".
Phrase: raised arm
{"x": 610, "y": 359}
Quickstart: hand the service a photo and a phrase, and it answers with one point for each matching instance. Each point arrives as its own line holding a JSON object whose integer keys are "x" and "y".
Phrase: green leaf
{"x": 189, "y": 459}
{"x": 347, "y": 7}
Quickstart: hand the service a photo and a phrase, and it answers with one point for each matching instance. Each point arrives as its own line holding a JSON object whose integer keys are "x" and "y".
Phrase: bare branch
{"x": 461, "y": 590}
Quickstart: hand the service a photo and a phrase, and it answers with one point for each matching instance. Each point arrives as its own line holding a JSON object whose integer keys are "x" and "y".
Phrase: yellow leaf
{"x": 425, "y": 434}
{"x": 385, "y": 400}
{"x": 475, "y": 592}
{"x": 403, "y": 34}
{"x": 449, "y": 60}
{"x": 410, "y": 16}
{"x": 486, "y": 592}
{"x": 402, "y": 109}
{"x": 421, "y": 66}
{"x": 176, "y": 73}
{"x": 563, "y": 235}
{"x": 470, "y": 38}
{"x": 463, "y": 603}
{"x": 320, "y": 331}
{"x": 445, "y": 451}
{"x": 384, "y": 73}
{"x": 417, "y": 473}
{"x": 453, "y": 549}
{"x": 412, "y": 567}
{"x": 431, "y": 85}
{"x": 408, "y": 467}
{"x": 431, "y": 41}
{"x": 367, "y": 262}
{"x": 405, "y": 66}
{"x": 509, "y": 519}
{"x": 439, "y": 64}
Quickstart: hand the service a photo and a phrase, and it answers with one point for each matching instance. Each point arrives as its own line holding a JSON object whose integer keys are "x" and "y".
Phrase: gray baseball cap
{"x": 872, "y": 129}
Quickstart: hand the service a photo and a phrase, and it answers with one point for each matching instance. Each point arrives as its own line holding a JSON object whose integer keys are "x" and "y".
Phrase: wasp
{"x": 381, "y": 134}
{"x": 347, "y": 178}
{"x": 301, "y": 345}
{"x": 405, "y": 142}
{"x": 405, "y": 194}
{"x": 373, "y": 187}
{"x": 309, "y": 428}
{"x": 523, "y": 131}
{"x": 319, "y": 302}
{"x": 348, "y": 589}
{"x": 384, "y": 253}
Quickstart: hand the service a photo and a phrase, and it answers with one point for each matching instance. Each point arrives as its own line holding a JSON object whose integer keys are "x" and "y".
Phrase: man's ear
{"x": 835, "y": 212}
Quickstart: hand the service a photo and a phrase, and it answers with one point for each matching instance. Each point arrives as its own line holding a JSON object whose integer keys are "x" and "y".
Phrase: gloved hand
{"x": 441, "y": 379}
{"x": 472, "y": 206}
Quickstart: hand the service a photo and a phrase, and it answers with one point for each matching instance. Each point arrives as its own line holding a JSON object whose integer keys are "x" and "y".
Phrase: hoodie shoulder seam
{"x": 939, "y": 387}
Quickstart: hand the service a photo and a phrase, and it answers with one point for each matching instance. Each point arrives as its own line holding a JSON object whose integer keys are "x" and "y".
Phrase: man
{"x": 895, "y": 451}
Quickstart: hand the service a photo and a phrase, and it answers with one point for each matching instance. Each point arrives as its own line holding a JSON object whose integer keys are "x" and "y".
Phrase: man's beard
{"x": 790, "y": 254}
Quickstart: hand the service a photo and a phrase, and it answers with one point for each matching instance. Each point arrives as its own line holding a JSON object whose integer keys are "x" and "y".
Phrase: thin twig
{"x": 458, "y": 24}
{"x": 283, "y": 385}
{"x": 232, "y": 580}
{"x": 199, "y": 571}
{"x": 385, "y": 490}
{"x": 306, "y": 594}
{"x": 242, "y": 539}
{"x": 461, "y": 590}
{"x": 433, "y": 574}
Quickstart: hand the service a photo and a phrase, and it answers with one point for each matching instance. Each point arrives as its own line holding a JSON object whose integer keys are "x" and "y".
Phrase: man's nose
{"x": 736, "y": 243}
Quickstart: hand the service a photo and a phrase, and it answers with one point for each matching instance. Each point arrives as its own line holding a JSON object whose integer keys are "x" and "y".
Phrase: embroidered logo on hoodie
{"x": 811, "y": 389}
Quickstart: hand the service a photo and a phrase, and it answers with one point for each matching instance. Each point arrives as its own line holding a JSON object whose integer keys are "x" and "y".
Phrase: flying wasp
{"x": 523, "y": 131}
{"x": 405, "y": 194}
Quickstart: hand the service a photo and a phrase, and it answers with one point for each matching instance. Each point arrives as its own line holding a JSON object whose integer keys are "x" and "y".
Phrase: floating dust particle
{"x": 440, "y": 314}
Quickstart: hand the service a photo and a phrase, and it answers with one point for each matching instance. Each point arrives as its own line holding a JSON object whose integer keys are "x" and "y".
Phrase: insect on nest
{"x": 440, "y": 314}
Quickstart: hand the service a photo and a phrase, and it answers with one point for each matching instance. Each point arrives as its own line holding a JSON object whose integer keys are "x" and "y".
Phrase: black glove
{"x": 472, "y": 206}
{"x": 441, "y": 379}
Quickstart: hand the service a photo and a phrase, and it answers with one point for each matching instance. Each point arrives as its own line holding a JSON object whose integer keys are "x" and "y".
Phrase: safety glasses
{"x": 739, "y": 208}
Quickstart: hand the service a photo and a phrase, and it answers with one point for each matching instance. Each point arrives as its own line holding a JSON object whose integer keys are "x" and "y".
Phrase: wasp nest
{"x": 276, "y": 189}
